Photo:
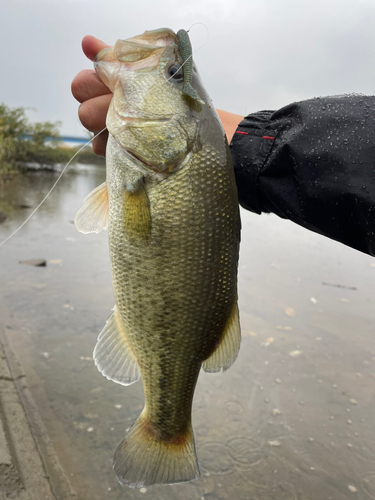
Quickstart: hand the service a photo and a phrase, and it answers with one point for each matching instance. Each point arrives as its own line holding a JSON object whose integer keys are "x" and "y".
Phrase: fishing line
{"x": 208, "y": 36}
{"x": 88, "y": 142}
{"x": 52, "y": 188}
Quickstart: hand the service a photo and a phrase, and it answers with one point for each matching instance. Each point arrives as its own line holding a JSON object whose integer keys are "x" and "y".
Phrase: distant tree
{"x": 22, "y": 142}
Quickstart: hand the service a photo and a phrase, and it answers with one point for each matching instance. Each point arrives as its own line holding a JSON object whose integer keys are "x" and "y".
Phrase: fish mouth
{"x": 139, "y": 52}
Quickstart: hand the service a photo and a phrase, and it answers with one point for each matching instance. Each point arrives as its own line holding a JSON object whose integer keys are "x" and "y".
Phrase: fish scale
{"x": 174, "y": 230}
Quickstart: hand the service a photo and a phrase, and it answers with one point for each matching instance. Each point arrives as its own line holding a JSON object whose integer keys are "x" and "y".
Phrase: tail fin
{"x": 143, "y": 460}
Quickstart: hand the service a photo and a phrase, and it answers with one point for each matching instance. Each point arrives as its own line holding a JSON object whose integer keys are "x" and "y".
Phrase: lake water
{"x": 293, "y": 419}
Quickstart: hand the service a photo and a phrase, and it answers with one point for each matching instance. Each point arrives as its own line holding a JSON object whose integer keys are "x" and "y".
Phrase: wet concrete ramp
{"x": 23, "y": 475}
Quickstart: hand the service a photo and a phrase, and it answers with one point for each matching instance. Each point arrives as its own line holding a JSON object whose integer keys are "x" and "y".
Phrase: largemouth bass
{"x": 170, "y": 204}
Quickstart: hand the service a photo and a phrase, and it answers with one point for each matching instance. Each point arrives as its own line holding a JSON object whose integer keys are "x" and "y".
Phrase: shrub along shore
{"x": 25, "y": 145}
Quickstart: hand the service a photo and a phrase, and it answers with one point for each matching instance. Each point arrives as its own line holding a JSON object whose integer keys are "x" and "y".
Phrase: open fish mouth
{"x": 142, "y": 52}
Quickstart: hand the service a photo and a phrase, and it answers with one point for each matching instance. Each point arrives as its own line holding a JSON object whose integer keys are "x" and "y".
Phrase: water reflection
{"x": 292, "y": 419}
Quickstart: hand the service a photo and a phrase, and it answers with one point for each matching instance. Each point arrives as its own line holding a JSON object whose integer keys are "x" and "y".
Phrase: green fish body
{"x": 170, "y": 205}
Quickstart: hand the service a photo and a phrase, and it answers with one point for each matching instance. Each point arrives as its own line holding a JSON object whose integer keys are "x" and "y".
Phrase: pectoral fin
{"x": 137, "y": 215}
{"x": 93, "y": 216}
{"x": 227, "y": 351}
{"x": 113, "y": 355}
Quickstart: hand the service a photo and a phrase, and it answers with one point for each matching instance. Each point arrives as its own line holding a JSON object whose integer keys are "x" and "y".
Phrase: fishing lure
{"x": 186, "y": 52}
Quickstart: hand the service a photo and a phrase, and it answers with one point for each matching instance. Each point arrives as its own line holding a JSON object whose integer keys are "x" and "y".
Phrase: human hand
{"x": 95, "y": 97}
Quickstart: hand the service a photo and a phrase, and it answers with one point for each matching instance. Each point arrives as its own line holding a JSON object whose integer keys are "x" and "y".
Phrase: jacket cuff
{"x": 250, "y": 147}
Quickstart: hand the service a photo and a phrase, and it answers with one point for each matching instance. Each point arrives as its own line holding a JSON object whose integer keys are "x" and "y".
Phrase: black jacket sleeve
{"x": 312, "y": 162}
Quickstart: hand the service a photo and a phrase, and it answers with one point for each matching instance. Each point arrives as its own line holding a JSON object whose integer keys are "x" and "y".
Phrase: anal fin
{"x": 226, "y": 352}
{"x": 93, "y": 216}
{"x": 113, "y": 355}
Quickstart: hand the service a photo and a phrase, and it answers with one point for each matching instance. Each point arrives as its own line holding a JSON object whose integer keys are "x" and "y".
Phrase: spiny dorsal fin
{"x": 113, "y": 354}
{"x": 227, "y": 351}
{"x": 93, "y": 216}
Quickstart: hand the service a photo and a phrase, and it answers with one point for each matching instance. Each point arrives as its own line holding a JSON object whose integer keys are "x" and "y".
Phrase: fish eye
{"x": 176, "y": 71}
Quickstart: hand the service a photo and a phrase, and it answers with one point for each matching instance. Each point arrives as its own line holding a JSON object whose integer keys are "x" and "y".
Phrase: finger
{"x": 91, "y": 46}
{"x": 87, "y": 85}
{"x": 99, "y": 144}
{"x": 93, "y": 113}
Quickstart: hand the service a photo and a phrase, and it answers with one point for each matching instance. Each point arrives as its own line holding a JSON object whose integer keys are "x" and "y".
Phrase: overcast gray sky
{"x": 260, "y": 54}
